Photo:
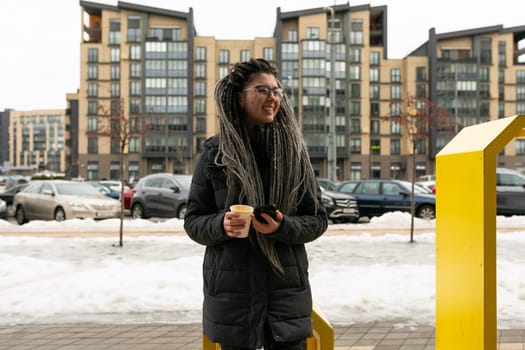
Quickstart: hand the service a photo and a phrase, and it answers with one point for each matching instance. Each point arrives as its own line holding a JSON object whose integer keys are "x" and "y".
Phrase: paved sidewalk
{"x": 366, "y": 336}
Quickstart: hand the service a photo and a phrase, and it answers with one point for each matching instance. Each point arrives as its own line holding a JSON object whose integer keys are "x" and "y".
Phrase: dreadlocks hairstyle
{"x": 292, "y": 175}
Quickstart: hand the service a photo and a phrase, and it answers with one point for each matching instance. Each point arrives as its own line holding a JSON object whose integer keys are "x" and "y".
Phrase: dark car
{"x": 378, "y": 196}
{"x": 9, "y": 194}
{"x": 161, "y": 195}
{"x": 510, "y": 192}
{"x": 340, "y": 207}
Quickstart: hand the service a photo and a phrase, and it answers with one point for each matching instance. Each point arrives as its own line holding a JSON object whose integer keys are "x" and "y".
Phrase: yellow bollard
{"x": 323, "y": 338}
{"x": 466, "y": 235}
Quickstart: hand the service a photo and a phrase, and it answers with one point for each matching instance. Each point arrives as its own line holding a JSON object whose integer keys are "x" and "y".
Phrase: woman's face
{"x": 260, "y": 99}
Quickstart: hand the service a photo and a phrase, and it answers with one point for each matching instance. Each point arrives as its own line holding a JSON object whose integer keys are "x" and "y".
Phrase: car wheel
{"x": 182, "y": 212}
{"x": 20, "y": 215}
{"x": 137, "y": 212}
{"x": 427, "y": 212}
{"x": 60, "y": 215}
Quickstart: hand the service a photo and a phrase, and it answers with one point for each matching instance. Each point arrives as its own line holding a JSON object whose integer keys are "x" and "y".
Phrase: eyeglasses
{"x": 266, "y": 91}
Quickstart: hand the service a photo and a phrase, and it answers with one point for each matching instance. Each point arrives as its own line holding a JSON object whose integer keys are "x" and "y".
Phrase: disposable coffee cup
{"x": 244, "y": 211}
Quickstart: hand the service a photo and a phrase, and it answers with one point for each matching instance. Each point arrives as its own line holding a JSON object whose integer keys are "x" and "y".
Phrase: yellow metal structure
{"x": 323, "y": 338}
{"x": 466, "y": 235}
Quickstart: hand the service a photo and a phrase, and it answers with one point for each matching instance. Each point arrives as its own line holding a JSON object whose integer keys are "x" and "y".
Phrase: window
{"x": 224, "y": 56}
{"x": 374, "y": 127}
{"x": 92, "y": 72}
{"x": 268, "y": 54}
{"x": 374, "y": 109}
{"x": 115, "y": 89}
{"x": 374, "y": 92}
{"x": 355, "y": 90}
{"x": 115, "y": 54}
{"x": 520, "y": 146}
{"x": 395, "y": 147}
{"x": 421, "y": 74}
{"x": 92, "y": 107}
{"x": 355, "y": 146}
{"x": 356, "y": 32}
{"x": 200, "y": 106}
{"x": 355, "y": 126}
{"x": 312, "y": 33}
{"x": 134, "y": 70}
{"x": 374, "y": 75}
{"x": 134, "y": 52}
{"x": 395, "y": 75}
{"x": 395, "y": 92}
{"x": 200, "y": 71}
{"x": 92, "y": 55}
{"x": 374, "y": 58}
{"x": 292, "y": 36}
{"x": 134, "y": 88}
{"x": 92, "y": 90}
{"x": 245, "y": 55}
{"x": 114, "y": 31}
{"x": 200, "y": 88}
{"x": 93, "y": 145}
{"x": 502, "y": 54}
{"x": 395, "y": 127}
{"x": 355, "y": 55}
{"x": 134, "y": 145}
{"x": 200, "y": 54}
{"x": 133, "y": 29}
{"x": 223, "y": 71}
{"x": 355, "y": 72}
{"x": 92, "y": 169}
{"x": 115, "y": 72}
{"x": 92, "y": 124}
{"x": 355, "y": 108}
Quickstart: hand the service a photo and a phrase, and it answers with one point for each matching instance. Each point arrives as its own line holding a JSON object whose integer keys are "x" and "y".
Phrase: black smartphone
{"x": 267, "y": 209}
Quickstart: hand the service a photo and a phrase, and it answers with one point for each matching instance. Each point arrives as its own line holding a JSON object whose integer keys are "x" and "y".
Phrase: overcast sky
{"x": 40, "y": 40}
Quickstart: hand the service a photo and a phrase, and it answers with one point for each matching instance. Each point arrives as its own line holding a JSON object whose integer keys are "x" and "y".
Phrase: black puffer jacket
{"x": 241, "y": 290}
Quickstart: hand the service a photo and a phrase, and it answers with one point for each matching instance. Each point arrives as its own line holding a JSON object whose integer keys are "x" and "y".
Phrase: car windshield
{"x": 184, "y": 181}
{"x": 77, "y": 189}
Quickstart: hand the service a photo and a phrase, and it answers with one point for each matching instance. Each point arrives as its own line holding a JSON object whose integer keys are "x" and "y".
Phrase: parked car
{"x": 3, "y": 209}
{"x": 510, "y": 192}
{"x": 161, "y": 195}
{"x": 325, "y": 183}
{"x": 128, "y": 194}
{"x": 430, "y": 185}
{"x": 378, "y": 196}
{"x": 340, "y": 207}
{"x": 105, "y": 190}
{"x": 62, "y": 199}
{"x": 9, "y": 195}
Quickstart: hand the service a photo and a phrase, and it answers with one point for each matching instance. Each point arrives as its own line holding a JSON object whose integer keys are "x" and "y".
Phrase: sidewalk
{"x": 366, "y": 336}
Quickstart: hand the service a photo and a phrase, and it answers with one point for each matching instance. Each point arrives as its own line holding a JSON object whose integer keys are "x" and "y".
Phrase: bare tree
{"x": 120, "y": 127}
{"x": 417, "y": 117}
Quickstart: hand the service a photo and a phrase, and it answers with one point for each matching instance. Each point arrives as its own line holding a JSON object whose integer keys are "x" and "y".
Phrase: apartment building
{"x": 150, "y": 65}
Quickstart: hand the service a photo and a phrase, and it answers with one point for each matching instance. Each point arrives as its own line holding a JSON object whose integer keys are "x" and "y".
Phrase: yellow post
{"x": 466, "y": 235}
{"x": 323, "y": 338}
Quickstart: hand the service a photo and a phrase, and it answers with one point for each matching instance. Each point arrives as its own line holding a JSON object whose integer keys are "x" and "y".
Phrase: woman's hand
{"x": 271, "y": 226}
{"x": 233, "y": 224}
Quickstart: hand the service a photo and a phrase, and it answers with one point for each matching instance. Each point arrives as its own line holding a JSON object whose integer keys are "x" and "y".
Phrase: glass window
{"x": 374, "y": 75}
{"x": 200, "y": 71}
{"x": 374, "y": 92}
{"x": 134, "y": 70}
{"x": 355, "y": 55}
{"x": 92, "y": 55}
{"x": 92, "y": 124}
{"x": 200, "y": 88}
{"x": 374, "y": 58}
{"x": 134, "y": 52}
{"x": 356, "y": 31}
{"x": 224, "y": 56}
{"x": 115, "y": 54}
{"x": 292, "y": 35}
{"x": 421, "y": 73}
{"x": 92, "y": 144}
{"x": 114, "y": 31}
{"x": 92, "y": 107}
{"x": 115, "y": 72}
{"x": 395, "y": 75}
{"x": 312, "y": 33}
{"x": 245, "y": 55}
{"x": 92, "y": 72}
{"x": 133, "y": 29}
{"x": 92, "y": 89}
{"x": 395, "y": 146}
{"x": 375, "y": 127}
{"x": 520, "y": 146}
{"x": 200, "y": 54}
{"x": 268, "y": 53}
{"x": 395, "y": 92}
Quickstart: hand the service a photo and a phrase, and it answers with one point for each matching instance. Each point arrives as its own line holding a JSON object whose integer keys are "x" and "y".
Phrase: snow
{"x": 356, "y": 275}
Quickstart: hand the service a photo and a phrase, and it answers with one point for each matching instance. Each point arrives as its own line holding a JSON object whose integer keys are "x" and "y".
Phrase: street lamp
{"x": 332, "y": 147}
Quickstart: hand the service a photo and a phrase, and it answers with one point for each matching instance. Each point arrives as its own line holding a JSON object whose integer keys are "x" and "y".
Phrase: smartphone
{"x": 267, "y": 209}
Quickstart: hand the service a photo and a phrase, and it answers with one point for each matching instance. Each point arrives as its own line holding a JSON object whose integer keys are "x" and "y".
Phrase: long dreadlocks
{"x": 292, "y": 175}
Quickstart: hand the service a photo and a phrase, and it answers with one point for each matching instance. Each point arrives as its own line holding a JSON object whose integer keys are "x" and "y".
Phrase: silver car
{"x": 60, "y": 200}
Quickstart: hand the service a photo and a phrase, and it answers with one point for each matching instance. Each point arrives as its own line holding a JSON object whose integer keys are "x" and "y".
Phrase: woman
{"x": 256, "y": 289}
